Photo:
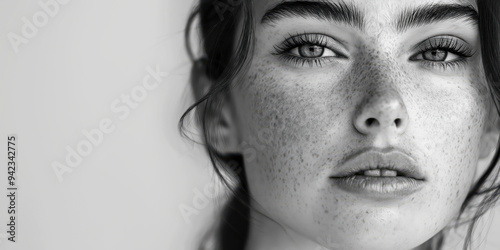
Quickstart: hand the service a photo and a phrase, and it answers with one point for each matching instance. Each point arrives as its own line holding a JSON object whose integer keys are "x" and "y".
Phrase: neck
{"x": 265, "y": 233}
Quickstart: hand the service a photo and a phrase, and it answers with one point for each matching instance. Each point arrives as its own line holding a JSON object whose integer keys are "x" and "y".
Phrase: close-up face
{"x": 371, "y": 116}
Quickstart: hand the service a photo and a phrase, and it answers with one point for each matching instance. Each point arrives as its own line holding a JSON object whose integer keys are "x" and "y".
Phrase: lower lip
{"x": 379, "y": 187}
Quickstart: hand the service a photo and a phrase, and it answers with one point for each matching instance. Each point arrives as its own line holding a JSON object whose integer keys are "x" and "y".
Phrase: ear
{"x": 488, "y": 143}
{"x": 220, "y": 119}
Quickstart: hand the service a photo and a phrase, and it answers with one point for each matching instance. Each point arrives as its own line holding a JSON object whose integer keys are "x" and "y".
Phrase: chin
{"x": 376, "y": 241}
{"x": 383, "y": 228}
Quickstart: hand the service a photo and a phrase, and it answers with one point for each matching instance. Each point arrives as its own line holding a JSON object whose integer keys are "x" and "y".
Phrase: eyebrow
{"x": 336, "y": 12}
{"x": 350, "y": 15}
{"x": 434, "y": 13}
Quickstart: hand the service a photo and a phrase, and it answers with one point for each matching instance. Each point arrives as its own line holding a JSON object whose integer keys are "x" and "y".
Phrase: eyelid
{"x": 446, "y": 42}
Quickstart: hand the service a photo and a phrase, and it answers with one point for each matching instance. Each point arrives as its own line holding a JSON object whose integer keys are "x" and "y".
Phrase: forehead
{"x": 371, "y": 10}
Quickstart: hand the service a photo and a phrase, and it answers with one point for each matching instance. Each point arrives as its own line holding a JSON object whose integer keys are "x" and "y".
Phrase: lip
{"x": 411, "y": 180}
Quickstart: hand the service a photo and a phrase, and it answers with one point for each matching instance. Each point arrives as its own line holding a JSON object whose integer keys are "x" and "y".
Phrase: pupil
{"x": 311, "y": 51}
{"x": 435, "y": 55}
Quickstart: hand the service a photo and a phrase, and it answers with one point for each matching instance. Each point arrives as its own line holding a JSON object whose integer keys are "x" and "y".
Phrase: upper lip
{"x": 378, "y": 159}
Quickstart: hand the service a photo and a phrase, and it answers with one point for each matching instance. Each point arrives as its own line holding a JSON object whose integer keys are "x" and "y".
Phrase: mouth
{"x": 382, "y": 171}
{"x": 377, "y": 174}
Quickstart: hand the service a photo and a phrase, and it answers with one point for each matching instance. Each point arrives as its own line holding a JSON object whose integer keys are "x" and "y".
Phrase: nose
{"x": 382, "y": 111}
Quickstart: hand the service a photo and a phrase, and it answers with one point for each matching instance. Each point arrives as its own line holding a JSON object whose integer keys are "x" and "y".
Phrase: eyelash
{"x": 440, "y": 43}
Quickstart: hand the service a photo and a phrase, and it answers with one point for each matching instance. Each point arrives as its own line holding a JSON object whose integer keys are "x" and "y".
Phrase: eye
{"x": 312, "y": 51}
{"x": 437, "y": 55}
{"x": 443, "y": 53}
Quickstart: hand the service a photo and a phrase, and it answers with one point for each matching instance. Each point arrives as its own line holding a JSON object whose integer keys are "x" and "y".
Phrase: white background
{"x": 126, "y": 193}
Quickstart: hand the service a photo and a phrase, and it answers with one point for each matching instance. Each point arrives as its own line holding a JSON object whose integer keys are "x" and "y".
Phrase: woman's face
{"x": 369, "y": 85}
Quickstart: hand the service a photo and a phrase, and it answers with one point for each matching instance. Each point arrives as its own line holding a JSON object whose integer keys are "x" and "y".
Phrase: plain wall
{"x": 75, "y": 72}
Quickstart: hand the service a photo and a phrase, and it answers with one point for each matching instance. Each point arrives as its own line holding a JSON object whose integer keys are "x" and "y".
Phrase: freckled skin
{"x": 309, "y": 113}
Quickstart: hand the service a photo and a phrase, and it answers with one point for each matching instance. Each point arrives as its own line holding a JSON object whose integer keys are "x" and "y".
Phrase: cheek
{"x": 464, "y": 129}
{"x": 447, "y": 119}
{"x": 452, "y": 122}
{"x": 285, "y": 121}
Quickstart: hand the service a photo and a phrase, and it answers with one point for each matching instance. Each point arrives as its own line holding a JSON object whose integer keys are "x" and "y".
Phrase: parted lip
{"x": 371, "y": 159}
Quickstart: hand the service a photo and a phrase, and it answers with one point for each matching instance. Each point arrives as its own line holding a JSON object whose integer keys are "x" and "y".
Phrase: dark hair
{"x": 226, "y": 54}
{"x": 224, "y": 57}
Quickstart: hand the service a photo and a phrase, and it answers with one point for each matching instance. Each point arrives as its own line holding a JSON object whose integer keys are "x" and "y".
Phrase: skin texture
{"x": 300, "y": 122}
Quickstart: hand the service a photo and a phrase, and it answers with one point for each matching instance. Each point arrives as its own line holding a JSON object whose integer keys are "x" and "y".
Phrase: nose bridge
{"x": 378, "y": 66}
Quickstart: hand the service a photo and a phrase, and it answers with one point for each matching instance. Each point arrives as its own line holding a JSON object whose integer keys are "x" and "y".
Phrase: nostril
{"x": 371, "y": 122}
{"x": 382, "y": 110}
{"x": 398, "y": 122}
